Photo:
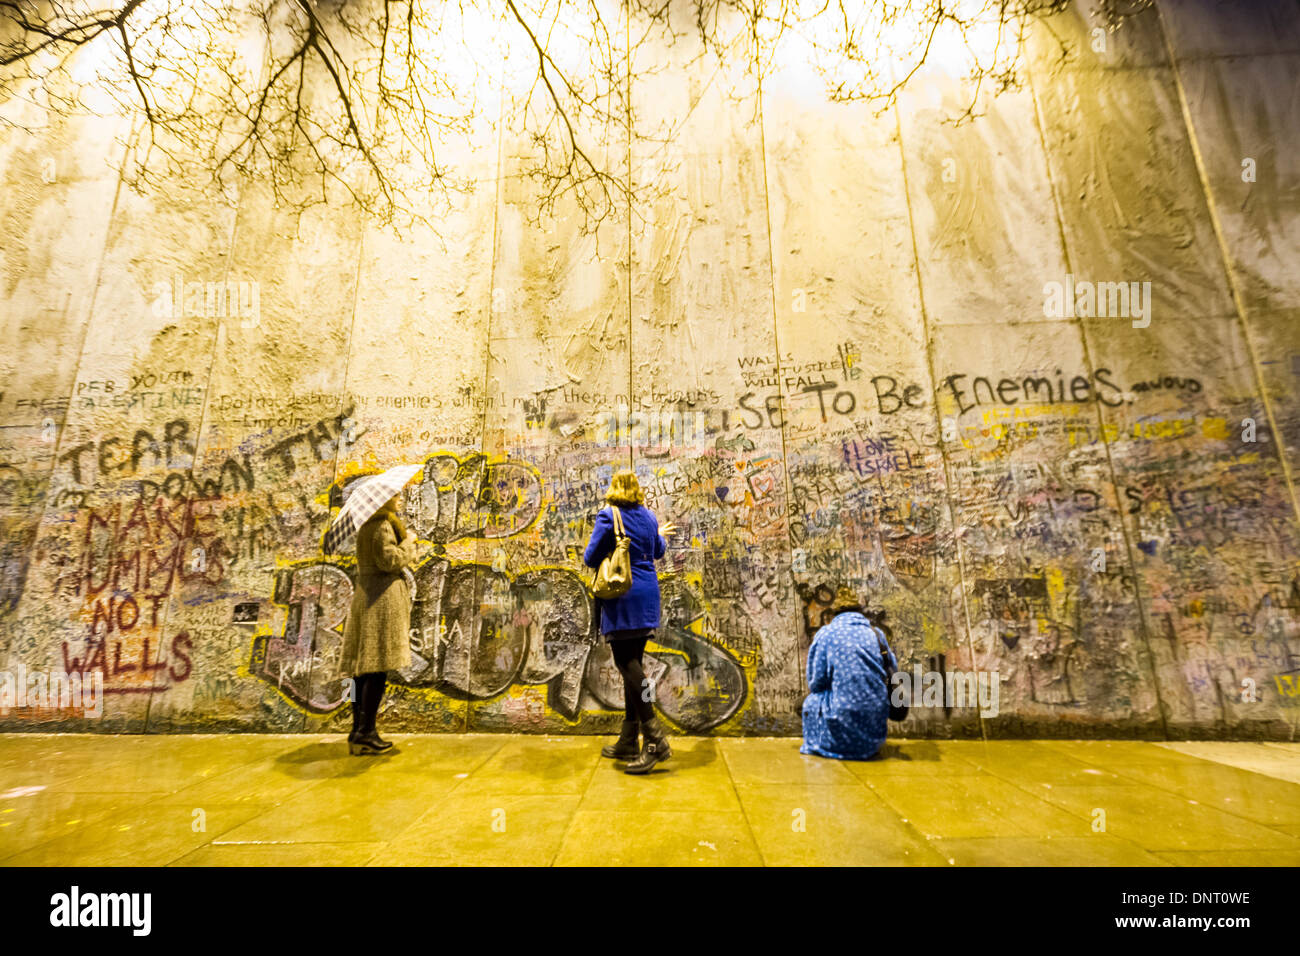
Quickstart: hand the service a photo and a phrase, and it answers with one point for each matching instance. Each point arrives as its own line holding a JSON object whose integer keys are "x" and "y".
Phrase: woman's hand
{"x": 667, "y": 529}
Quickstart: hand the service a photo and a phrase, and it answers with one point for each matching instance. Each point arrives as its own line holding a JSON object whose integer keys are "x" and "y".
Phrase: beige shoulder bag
{"x": 614, "y": 576}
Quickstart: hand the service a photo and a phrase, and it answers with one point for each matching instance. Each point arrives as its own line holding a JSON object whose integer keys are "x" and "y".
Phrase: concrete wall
{"x": 841, "y": 311}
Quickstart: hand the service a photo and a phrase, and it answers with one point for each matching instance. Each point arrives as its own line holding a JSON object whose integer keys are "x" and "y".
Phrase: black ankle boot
{"x": 366, "y": 744}
{"x": 366, "y": 741}
{"x": 372, "y": 711}
{"x": 356, "y": 717}
{"x": 654, "y": 750}
{"x": 625, "y": 747}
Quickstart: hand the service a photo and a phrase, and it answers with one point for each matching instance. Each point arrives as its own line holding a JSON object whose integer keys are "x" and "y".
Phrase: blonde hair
{"x": 624, "y": 489}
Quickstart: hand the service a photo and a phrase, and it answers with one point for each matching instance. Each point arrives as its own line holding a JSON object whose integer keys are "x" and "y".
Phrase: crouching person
{"x": 847, "y": 711}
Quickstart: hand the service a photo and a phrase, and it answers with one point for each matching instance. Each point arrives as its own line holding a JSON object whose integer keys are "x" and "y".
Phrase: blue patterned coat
{"x": 639, "y": 607}
{"x": 846, "y": 714}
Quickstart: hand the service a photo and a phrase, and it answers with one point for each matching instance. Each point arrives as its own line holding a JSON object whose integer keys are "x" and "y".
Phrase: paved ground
{"x": 483, "y": 799}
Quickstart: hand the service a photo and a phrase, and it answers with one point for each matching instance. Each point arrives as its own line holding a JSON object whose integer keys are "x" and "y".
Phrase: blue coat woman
{"x": 846, "y": 713}
{"x": 638, "y": 609}
{"x": 628, "y": 622}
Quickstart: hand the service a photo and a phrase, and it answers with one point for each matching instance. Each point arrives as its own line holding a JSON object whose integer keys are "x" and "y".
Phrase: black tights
{"x": 638, "y": 703}
{"x": 367, "y": 692}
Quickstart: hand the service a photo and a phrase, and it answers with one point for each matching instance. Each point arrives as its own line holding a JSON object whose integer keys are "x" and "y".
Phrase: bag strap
{"x": 884, "y": 652}
{"x": 618, "y": 521}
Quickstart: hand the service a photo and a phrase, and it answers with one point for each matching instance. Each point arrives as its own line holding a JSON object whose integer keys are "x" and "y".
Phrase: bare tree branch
{"x": 381, "y": 98}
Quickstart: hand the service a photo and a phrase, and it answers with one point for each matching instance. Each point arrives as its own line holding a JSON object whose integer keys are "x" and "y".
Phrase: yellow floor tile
{"x": 974, "y": 806}
{"x": 1096, "y": 850}
{"x": 1289, "y": 747}
{"x": 334, "y": 812}
{"x": 979, "y": 750}
{"x": 461, "y": 753}
{"x": 612, "y": 790}
{"x": 658, "y": 838}
{"x": 168, "y": 764}
{"x": 480, "y": 829}
{"x": 1242, "y": 792}
{"x": 141, "y": 836}
{"x": 1158, "y": 820}
{"x": 299, "y": 799}
{"x": 779, "y": 761}
{"x": 1027, "y": 764}
{"x": 694, "y": 778}
{"x": 264, "y": 783}
{"x": 25, "y": 765}
{"x": 29, "y": 820}
{"x": 376, "y": 785}
{"x": 297, "y": 765}
{"x": 537, "y": 765}
{"x": 830, "y": 826}
{"x": 1110, "y": 754}
{"x": 690, "y": 755}
{"x": 1032, "y": 775}
{"x": 21, "y": 749}
{"x": 280, "y": 854}
{"x": 1274, "y": 760}
{"x": 912, "y": 758}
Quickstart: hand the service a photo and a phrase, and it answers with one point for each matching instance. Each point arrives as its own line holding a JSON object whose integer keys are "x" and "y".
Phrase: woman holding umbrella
{"x": 376, "y": 638}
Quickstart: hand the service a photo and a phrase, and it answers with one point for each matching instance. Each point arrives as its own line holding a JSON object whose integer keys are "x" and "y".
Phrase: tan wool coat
{"x": 377, "y": 636}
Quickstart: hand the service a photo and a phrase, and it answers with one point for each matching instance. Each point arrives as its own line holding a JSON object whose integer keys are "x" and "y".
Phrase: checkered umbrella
{"x": 364, "y": 500}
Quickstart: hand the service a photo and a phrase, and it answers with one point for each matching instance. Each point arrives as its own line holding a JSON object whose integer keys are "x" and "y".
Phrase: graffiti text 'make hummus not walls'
{"x": 477, "y": 629}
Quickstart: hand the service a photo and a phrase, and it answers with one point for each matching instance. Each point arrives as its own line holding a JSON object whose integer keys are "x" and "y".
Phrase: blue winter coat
{"x": 847, "y": 712}
{"x": 639, "y": 607}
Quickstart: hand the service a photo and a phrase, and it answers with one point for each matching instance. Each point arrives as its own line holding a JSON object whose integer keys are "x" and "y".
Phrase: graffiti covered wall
{"x": 840, "y": 345}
